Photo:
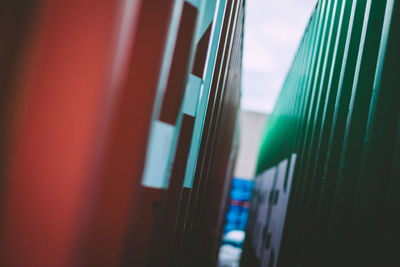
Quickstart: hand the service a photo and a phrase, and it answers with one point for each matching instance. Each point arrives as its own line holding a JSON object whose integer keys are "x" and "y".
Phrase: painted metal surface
{"x": 338, "y": 112}
{"x": 107, "y": 107}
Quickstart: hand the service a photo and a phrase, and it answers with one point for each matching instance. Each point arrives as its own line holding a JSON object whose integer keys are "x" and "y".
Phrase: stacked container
{"x": 118, "y": 130}
{"x": 328, "y": 169}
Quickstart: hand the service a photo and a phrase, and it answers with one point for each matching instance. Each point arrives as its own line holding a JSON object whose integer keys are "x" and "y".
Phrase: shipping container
{"x": 118, "y": 134}
{"x": 328, "y": 165}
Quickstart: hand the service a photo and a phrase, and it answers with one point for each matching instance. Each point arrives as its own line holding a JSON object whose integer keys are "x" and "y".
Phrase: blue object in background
{"x": 238, "y": 211}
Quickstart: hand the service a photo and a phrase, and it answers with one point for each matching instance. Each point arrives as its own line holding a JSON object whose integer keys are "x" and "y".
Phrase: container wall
{"x": 328, "y": 162}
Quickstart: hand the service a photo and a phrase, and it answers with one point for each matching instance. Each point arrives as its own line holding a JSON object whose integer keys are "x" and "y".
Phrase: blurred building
{"x": 251, "y": 127}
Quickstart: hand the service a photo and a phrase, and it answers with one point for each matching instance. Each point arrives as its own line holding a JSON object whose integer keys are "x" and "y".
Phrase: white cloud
{"x": 273, "y": 30}
{"x": 256, "y": 54}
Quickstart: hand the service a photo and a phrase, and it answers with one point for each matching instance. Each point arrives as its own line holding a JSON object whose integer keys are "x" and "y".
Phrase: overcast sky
{"x": 273, "y": 30}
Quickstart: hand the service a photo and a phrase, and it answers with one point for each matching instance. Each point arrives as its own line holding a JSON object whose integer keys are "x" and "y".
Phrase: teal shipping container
{"x": 328, "y": 169}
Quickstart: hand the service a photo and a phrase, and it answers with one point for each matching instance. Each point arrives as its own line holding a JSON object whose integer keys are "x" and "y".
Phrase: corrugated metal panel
{"x": 336, "y": 112}
{"x": 115, "y": 103}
